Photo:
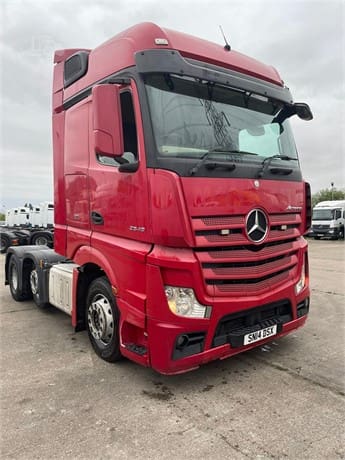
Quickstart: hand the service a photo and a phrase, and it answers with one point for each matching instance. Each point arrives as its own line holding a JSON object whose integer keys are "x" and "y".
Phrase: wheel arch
{"x": 95, "y": 260}
{"x": 87, "y": 273}
{"x": 93, "y": 264}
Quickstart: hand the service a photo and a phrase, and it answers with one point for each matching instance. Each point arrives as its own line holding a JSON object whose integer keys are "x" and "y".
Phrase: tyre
{"x": 316, "y": 237}
{"x": 35, "y": 289}
{"x": 13, "y": 276}
{"x": 41, "y": 239}
{"x": 5, "y": 244}
{"x": 102, "y": 320}
{"x": 341, "y": 234}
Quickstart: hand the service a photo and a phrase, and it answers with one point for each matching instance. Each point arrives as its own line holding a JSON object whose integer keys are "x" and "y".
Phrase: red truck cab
{"x": 179, "y": 199}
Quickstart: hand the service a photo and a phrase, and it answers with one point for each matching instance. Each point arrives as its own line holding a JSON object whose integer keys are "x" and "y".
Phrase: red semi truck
{"x": 180, "y": 207}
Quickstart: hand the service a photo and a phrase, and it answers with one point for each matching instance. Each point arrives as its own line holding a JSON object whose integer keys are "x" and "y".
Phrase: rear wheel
{"x": 5, "y": 244}
{"x": 102, "y": 320}
{"x": 19, "y": 291}
{"x": 41, "y": 239}
{"x": 35, "y": 289}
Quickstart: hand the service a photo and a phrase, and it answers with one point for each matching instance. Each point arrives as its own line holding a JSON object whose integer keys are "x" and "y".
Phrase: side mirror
{"x": 107, "y": 120}
{"x": 303, "y": 111}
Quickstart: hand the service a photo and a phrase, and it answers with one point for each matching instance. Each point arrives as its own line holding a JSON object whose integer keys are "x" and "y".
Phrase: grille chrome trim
{"x": 231, "y": 264}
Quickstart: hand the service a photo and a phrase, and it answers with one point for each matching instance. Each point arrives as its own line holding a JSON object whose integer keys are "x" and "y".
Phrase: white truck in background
{"x": 28, "y": 225}
{"x": 18, "y": 217}
{"x": 42, "y": 216}
{"x": 328, "y": 220}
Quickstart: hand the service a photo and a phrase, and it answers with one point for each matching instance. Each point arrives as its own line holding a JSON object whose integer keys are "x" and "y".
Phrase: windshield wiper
{"x": 268, "y": 160}
{"x": 224, "y": 164}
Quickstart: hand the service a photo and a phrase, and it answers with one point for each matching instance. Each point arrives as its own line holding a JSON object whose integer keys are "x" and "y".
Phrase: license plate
{"x": 262, "y": 334}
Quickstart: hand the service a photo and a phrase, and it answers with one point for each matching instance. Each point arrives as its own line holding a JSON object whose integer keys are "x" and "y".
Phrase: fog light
{"x": 301, "y": 282}
{"x": 182, "y": 341}
{"x": 182, "y": 302}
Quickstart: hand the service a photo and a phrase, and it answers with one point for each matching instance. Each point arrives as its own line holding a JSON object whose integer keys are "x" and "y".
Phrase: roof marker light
{"x": 161, "y": 41}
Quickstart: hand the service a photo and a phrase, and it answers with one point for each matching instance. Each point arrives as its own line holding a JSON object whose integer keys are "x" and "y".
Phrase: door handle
{"x": 97, "y": 218}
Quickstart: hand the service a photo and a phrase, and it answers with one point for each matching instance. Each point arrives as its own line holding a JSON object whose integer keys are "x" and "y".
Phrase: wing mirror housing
{"x": 303, "y": 111}
{"x": 300, "y": 109}
{"x": 107, "y": 120}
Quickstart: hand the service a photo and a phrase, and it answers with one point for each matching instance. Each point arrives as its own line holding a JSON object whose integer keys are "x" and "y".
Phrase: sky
{"x": 303, "y": 39}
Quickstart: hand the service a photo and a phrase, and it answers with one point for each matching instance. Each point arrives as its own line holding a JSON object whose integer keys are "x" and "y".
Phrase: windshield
{"x": 191, "y": 118}
{"x": 323, "y": 214}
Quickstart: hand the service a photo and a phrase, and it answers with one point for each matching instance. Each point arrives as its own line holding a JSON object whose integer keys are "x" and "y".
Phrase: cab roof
{"x": 119, "y": 53}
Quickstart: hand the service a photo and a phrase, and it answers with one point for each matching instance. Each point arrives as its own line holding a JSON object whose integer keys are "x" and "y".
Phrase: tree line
{"x": 327, "y": 194}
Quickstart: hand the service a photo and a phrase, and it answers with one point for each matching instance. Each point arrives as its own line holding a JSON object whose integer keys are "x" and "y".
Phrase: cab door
{"x": 118, "y": 184}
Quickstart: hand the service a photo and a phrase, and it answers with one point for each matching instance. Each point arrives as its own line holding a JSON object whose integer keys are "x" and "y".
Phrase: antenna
{"x": 227, "y": 47}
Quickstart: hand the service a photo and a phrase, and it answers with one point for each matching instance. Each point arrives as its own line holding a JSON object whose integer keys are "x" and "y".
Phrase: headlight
{"x": 182, "y": 302}
{"x": 301, "y": 282}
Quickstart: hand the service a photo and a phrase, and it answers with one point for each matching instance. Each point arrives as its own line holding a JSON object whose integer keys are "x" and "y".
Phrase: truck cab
{"x": 180, "y": 206}
{"x": 328, "y": 220}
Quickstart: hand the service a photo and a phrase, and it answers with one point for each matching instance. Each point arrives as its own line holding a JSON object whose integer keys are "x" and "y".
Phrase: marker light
{"x": 301, "y": 282}
{"x": 182, "y": 302}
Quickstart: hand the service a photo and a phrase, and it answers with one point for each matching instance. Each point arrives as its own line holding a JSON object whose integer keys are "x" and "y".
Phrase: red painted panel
{"x": 118, "y": 53}
{"x": 121, "y": 198}
{"x": 170, "y": 221}
{"x": 77, "y": 201}
{"x": 222, "y": 197}
{"x": 59, "y": 182}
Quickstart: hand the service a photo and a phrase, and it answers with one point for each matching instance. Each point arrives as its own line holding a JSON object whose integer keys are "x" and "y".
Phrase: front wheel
{"x": 102, "y": 319}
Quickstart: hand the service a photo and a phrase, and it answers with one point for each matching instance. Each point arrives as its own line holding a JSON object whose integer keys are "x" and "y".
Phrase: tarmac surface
{"x": 284, "y": 400}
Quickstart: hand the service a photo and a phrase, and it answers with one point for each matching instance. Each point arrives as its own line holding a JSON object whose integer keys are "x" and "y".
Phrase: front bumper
{"x": 325, "y": 232}
{"x": 178, "y": 344}
{"x": 184, "y": 346}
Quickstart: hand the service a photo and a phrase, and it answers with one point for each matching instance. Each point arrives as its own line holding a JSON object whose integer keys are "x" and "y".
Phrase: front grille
{"x": 232, "y": 264}
{"x": 232, "y": 328}
{"x": 321, "y": 227}
{"x": 220, "y": 230}
{"x": 248, "y": 269}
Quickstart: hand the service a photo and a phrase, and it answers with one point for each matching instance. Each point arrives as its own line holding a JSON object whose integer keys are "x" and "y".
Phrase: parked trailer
{"x": 180, "y": 207}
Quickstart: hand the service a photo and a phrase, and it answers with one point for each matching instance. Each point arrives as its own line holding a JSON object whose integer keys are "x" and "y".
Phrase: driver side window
{"x": 129, "y": 134}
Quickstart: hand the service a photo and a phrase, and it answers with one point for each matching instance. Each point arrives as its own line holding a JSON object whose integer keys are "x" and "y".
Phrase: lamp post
{"x": 332, "y": 185}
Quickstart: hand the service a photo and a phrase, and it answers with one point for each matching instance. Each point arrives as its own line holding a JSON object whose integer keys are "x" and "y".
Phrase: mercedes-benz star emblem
{"x": 256, "y": 226}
